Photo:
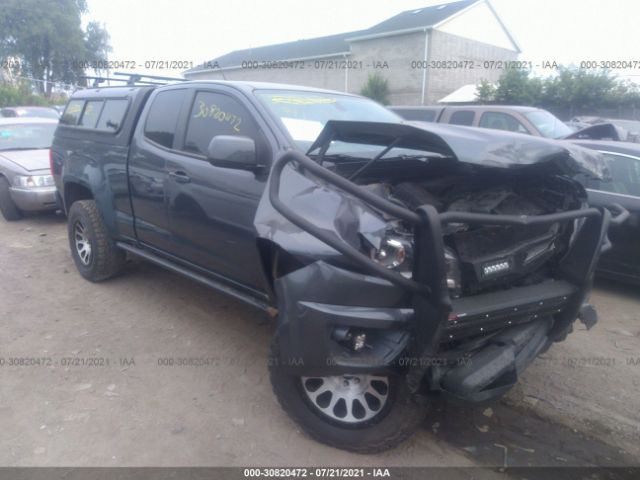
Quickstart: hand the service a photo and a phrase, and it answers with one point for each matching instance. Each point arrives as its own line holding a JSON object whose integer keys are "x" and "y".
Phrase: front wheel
{"x": 94, "y": 252}
{"x": 357, "y": 412}
{"x": 9, "y": 209}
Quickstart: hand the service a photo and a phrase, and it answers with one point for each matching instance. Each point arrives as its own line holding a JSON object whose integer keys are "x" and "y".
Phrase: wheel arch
{"x": 275, "y": 262}
{"x": 75, "y": 191}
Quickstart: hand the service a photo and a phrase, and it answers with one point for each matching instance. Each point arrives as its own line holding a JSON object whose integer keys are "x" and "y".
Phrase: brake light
{"x": 51, "y": 161}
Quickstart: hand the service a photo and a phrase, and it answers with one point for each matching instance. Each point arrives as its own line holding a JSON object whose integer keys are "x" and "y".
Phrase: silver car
{"x": 26, "y": 183}
{"x": 43, "y": 112}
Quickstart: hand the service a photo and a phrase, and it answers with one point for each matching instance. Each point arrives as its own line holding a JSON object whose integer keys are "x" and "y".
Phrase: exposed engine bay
{"x": 487, "y": 257}
{"x": 453, "y": 170}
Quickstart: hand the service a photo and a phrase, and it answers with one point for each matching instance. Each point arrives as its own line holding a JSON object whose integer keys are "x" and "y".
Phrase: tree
{"x": 486, "y": 92}
{"x": 20, "y": 93}
{"x": 96, "y": 41}
{"x": 576, "y": 89}
{"x": 570, "y": 91}
{"x": 516, "y": 87}
{"x": 376, "y": 88}
{"x": 47, "y": 38}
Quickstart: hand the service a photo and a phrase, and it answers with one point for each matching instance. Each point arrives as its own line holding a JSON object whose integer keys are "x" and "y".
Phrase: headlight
{"x": 395, "y": 253}
{"x": 33, "y": 181}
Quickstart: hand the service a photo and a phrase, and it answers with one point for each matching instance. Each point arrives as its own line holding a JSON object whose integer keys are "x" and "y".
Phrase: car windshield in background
{"x": 304, "y": 114}
{"x": 549, "y": 125}
{"x": 26, "y": 136}
{"x": 31, "y": 112}
{"x": 40, "y": 112}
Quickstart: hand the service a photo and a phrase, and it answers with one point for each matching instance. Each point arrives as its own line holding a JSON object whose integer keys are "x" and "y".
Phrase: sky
{"x": 565, "y": 31}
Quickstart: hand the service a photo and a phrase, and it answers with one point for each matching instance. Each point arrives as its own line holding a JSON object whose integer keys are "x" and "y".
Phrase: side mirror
{"x": 229, "y": 151}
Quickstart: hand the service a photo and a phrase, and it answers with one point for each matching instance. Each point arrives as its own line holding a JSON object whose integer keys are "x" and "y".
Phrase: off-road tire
{"x": 106, "y": 260}
{"x": 401, "y": 421}
{"x": 9, "y": 209}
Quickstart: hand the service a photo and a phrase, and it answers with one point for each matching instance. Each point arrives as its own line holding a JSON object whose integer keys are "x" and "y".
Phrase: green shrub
{"x": 19, "y": 95}
{"x": 376, "y": 88}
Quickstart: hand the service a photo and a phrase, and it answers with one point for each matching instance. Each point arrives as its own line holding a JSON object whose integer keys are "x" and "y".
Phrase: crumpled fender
{"x": 316, "y": 300}
{"x": 327, "y": 207}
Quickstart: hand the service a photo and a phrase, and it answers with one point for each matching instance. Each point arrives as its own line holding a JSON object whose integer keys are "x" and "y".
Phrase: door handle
{"x": 180, "y": 176}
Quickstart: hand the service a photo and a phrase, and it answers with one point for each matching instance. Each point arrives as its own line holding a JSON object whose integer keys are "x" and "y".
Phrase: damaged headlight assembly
{"x": 396, "y": 253}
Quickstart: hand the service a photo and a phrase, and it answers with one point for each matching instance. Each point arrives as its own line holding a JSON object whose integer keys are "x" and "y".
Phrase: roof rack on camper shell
{"x": 133, "y": 79}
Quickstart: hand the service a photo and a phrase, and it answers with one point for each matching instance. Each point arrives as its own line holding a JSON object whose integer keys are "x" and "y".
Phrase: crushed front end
{"x": 455, "y": 266}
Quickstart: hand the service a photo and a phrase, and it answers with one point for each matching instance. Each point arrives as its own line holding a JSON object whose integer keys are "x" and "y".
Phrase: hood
{"x": 599, "y": 131}
{"x": 477, "y": 146}
{"x": 30, "y": 160}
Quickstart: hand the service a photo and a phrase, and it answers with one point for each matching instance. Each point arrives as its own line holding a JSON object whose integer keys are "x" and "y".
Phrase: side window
{"x": 112, "y": 114}
{"x": 162, "y": 119}
{"x": 420, "y": 115}
{"x": 625, "y": 175}
{"x": 91, "y": 113}
{"x": 463, "y": 117}
{"x": 501, "y": 121}
{"x": 217, "y": 114}
{"x": 72, "y": 112}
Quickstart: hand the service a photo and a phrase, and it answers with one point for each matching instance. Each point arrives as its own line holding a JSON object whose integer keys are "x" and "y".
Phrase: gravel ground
{"x": 101, "y": 396}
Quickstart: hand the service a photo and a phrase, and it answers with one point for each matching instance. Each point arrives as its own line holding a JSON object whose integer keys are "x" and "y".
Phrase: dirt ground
{"x": 84, "y": 380}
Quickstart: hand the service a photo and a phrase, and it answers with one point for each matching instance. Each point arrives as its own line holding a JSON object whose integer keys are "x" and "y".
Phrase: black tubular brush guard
{"x": 431, "y": 300}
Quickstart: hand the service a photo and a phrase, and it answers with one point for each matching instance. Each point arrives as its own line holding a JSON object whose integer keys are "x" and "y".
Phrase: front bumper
{"x": 34, "y": 199}
{"x": 496, "y": 334}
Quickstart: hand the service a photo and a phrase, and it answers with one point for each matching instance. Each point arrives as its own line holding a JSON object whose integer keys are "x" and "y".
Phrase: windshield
{"x": 26, "y": 136}
{"x": 548, "y": 125}
{"x": 304, "y": 114}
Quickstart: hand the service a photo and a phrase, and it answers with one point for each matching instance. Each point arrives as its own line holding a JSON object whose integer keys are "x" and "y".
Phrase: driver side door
{"x": 211, "y": 209}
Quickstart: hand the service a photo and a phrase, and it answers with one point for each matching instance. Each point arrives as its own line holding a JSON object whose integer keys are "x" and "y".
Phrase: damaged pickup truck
{"x": 401, "y": 262}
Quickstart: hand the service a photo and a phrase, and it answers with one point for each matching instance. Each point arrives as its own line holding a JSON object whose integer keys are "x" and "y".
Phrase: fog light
{"x": 359, "y": 341}
{"x": 494, "y": 268}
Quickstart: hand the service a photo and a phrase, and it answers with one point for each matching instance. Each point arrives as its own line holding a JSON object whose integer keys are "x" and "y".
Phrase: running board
{"x": 219, "y": 286}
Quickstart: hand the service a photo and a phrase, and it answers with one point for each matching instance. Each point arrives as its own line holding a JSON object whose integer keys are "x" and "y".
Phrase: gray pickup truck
{"x": 401, "y": 262}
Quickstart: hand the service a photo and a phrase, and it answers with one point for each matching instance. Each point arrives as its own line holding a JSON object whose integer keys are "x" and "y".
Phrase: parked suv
{"x": 401, "y": 262}
{"x": 528, "y": 120}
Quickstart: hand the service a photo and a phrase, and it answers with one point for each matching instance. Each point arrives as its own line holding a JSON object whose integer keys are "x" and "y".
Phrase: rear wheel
{"x": 362, "y": 413}
{"x": 9, "y": 209}
{"x": 94, "y": 252}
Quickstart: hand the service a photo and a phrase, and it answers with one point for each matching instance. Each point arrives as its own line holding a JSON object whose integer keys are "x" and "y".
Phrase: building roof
{"x": 465, "y": 94}
{"x": 417, "y": 18}
{"x": 334, "y": 45}
{"x": 309, "y": 48}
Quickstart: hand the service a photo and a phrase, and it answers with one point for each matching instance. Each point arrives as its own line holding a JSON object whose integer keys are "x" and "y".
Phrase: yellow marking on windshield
{"x": 213, "y": 111}
{"x": 74, "y": 108}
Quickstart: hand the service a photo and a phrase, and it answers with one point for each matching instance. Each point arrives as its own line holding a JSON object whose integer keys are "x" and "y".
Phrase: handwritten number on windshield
{"x": 215, "y": 112}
